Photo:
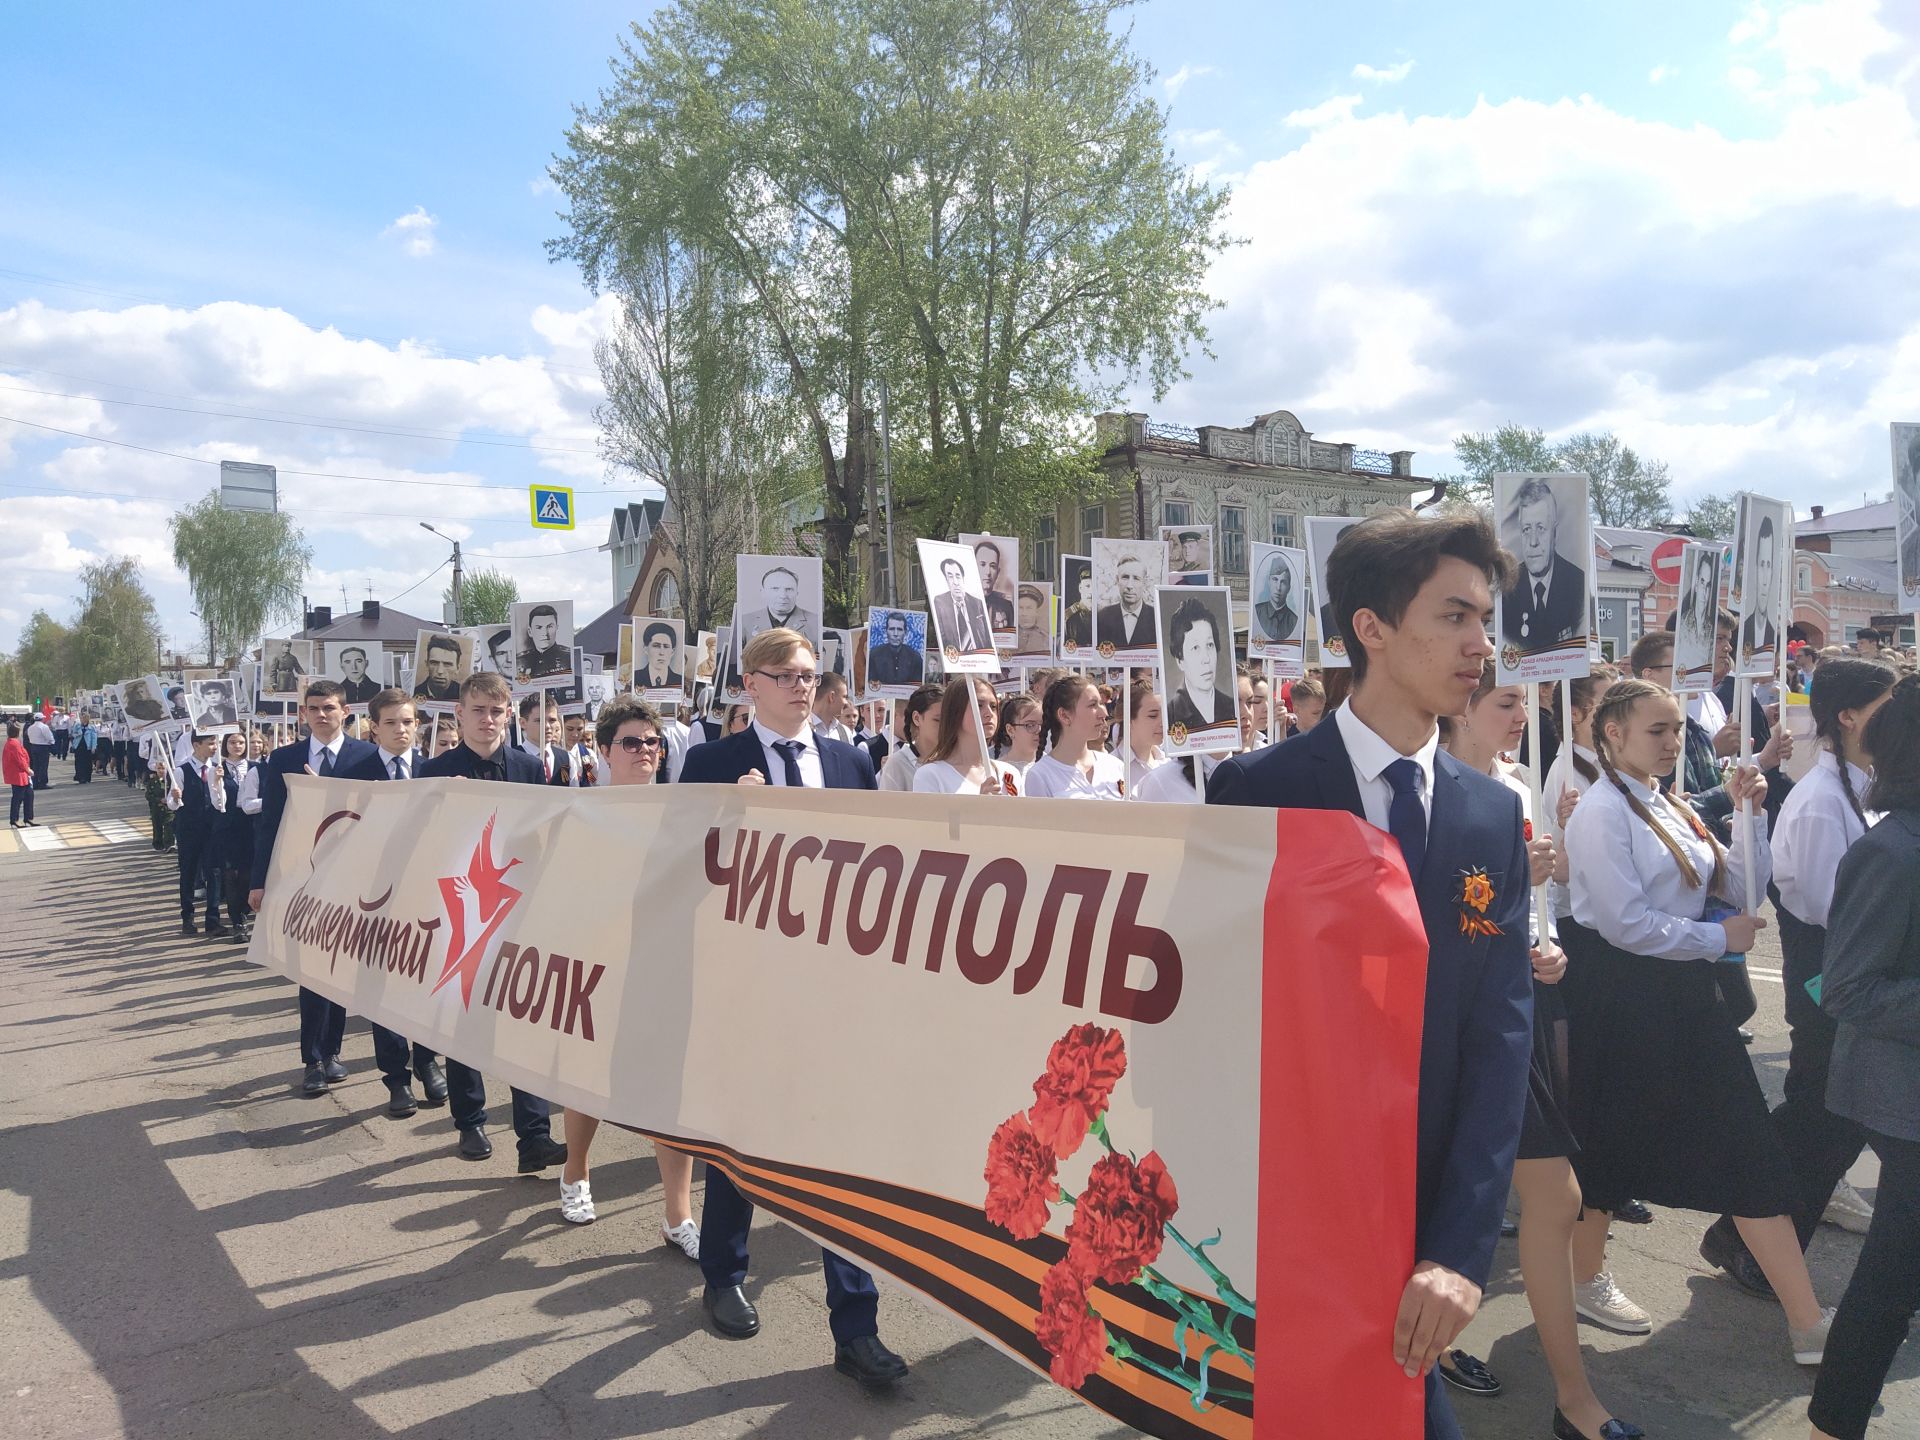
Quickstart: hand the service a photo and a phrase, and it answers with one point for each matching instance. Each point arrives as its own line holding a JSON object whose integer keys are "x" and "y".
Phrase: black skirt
{"x": 1545, "y": 1133}
{"x": 1663, "y": 1098}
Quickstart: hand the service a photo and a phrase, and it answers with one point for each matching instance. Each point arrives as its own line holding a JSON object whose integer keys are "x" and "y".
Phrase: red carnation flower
{"x": 1020, "y": 1179}
{"x": 1120, "y": 1220}
{"x": 1526, "y": 827}
{"x": 1082, "y": 1068}
{"x": 1067, "y": 1327}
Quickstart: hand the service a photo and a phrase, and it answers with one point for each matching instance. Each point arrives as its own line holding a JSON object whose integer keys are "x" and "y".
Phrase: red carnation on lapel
{"x": 1120, "y": 1220}
{"x": 1021, "y": 1185}
{"x": 1082, "y": 1068}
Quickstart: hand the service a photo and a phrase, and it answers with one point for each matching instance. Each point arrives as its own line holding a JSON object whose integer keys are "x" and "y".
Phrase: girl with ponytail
{"x": 1665, "y": 1104}
{"x": 1071, "y": 768}
{"x": 1576, "y": 767}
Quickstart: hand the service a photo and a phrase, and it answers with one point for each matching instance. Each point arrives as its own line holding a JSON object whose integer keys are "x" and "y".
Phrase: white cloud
{"x": 415, "y": 231}
{"x": 1328, "y": 112}
{"x": 1177, "y": 81}
{"x": 543, "y": 185}
{"x": 1661, "y": 73}
{"x": 1390, "y": 75}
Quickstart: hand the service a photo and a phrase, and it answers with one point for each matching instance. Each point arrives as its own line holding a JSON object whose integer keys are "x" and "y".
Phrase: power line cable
{"x": 418, "y": 583}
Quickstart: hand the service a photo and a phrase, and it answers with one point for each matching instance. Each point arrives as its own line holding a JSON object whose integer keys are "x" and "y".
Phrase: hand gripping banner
{"x": 1078, "y": 1074}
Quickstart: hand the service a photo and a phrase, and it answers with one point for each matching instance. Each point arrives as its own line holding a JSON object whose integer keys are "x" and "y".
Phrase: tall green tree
{"x": 118, "y": 627}
{"x": 485, "y": 596}
{"x": 13, "y": 685}
{"x": 1487, "y": 453}
{"x": 245, "y": 569}
{"x": 1625, "y": 490}
{"x": 45, "y": 656}
{"x": 1710, "y": 516}
{"x": 976, "y": 201}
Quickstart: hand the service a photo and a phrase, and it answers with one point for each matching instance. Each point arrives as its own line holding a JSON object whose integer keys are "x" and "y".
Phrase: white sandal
{"x": 576, "y": 1203}
{"x": 685, "y": 1235}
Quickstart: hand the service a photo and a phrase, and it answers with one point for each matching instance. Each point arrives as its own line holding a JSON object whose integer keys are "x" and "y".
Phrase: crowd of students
{"x": 1585, "y": 1058}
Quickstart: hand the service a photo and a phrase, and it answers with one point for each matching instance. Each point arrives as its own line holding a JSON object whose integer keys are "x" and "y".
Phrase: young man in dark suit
{"x": 549, "y": 753}
{"x": 1414, "y": 598}
{"x": 392, "y": 719}
{"x": 782, "y": 748}
{"x": 325, "y": 751}
{"x": 197, "y": 804}
{"x": 483, "y": 710}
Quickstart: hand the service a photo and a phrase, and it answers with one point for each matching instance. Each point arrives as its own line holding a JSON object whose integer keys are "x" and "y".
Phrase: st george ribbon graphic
{"x": 1222, "y": 1007}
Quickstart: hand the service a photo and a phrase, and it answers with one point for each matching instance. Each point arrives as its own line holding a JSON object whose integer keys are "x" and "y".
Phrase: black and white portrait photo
{"x": 960, "y": 622}
{"x": 1906, "y": 509}
{"x": 1323, "y": 533}
{"x": 1277, "y": 603}
{"x": 441, "y": 660}
{"x": 285, "y": 665}
{"x": 658, "y": 645}
{"x": 498, "y": 649}
{"x": 214, "y": 712}
{"x": 999, "y": 561}
{"x": 836, "y": 654}
{"x": 1033, "y": 617}
{"x": 1196, "y": 668}
{"x": 1189, "y": 554}
{"x": 778, "y": 592}
{"x": 896, "y": 652}
{"x": 1762, "y": 563}
{"x": 1696, "y": 621}
{"x": 1125, "y": 575}
{"x": 1544, "y": 618}
{"x": 351, "y": 664}
{"x": 143, "y": 701}
{"x": 542, "y": 641}
{"x": 1076, "y": 605}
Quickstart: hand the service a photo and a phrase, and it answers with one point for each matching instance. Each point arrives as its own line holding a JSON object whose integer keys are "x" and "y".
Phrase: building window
{"x": 666, "y": 596}
{"x": 1093, "y": 521}
{"x": 1040, "y": 554}
{"x": 1233, "y": 540}
{"x": 1176, "y": 512}
{"x": 1283, "y": 531}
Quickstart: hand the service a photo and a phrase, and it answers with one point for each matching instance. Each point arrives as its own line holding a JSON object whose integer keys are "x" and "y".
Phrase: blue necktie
{"x": 790, "y": 753}
{"x": 326, "y": 762}
{"x": 1406, "y": 816}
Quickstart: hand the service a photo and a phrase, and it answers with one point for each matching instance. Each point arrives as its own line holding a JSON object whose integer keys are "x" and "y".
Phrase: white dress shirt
{"x": 249, "y": 794}
{"x": 1627, "y": 887}
{"x": 833, "y": 730}
{"x": 39, "y": 733}
{"x": 678, "y": 738}
{"x": 315, "y": 750}
{"x": 812, "y": 776}
{"x": 1816, "y": 827}
{"x": 1562, "y": 775}
{"x": 1138, "y": 770}
{"x": 1706, "y": 709}
{"x": 1051, "y": 779}
{"x": 1370, "y": 756}
{"x": 1168, "y": 784}
{"x": 938, "y": 777}
{"x": 897, "y": 774}
{"x": 405, "y": 759}
{"x": 216, "y": 794}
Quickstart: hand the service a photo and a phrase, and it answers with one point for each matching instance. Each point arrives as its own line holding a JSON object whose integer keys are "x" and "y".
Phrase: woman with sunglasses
{"x": 630, "y": 737}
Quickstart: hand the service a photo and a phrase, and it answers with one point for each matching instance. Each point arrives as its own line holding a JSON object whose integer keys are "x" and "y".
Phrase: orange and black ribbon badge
{"x": 1476, "y": 894}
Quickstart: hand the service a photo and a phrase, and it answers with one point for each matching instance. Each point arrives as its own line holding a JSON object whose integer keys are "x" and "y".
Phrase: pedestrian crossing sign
{"x": 552, "y": 507}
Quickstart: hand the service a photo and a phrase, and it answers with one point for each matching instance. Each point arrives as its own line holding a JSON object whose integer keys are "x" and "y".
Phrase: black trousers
{"x": 467, "y": 1095}
{"x": 233, "y": 888}
{"x": 397, "y": 1059}
{"x": 853, "y": 1303}
{"x": 61, "y": 738}
{"x": 1880, "y": 1300}
{"x": 20, "y": 807}
{"x": 194, "y": 850}
{"x": 323, "y": 1027}
{"x": 82, "y": 766}
{"x": 39, "y": 755}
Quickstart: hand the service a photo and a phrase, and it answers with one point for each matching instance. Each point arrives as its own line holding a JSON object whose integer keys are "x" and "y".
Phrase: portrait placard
{"x": 494, "y": 649}
{"x": 542, "y": 643}
{"x": 998, "y": 559}
{"x": 285, "y": 664}
{"x": 1076, "y": 607}
{"x": 623, "y": 657}
{"x": 896, "y": 652}
{"x": 1906, "y": 509}
{"x": 1546, "y": 618}
{"x": 836, "y": 653}
{"x": 175, "y": 695}
{"x": 351, "y": 662}
{"x": 1762, "y": 565}
{"x": 1196, "y": 668}
{"x": 1277, "y": 608}
{"x": 1033, "y": 632}
{"x": 960, "y": 623}
{"x": 1323, "y": 533}
{"x": 442, "y": 659}
{"x": 211, "y": 702}
{"x": 1696, "y": 619}
{"x": 657, "y": 645}
{"x": 702, "y": 656}
{"x": 726, "y": 672}
{"x": 778, "y": 591}
{"x": 1189, "y": 554}
{"x": 1125, "y": 575}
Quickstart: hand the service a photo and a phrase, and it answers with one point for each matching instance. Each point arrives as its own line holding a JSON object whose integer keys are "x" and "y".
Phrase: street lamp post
{"x": 456, "y": 569}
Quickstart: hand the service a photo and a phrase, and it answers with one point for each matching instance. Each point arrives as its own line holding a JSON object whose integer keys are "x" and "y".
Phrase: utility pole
{"x": 886, "y": 468}
{"x": 456, "y": 568}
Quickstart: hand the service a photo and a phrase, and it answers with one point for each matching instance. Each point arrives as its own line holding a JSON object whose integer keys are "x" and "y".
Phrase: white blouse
{"x": 1138, "y": 770}
{"x": 1561, "y": 776}
{"x": 897, "y": 773}
{"x": 938, "y": 777}
{"x": 1627, "y": 887}
{"x": 1168, "y": 784}
{"x": 1816, "y": 827}
{"x": 1049, "y": 778}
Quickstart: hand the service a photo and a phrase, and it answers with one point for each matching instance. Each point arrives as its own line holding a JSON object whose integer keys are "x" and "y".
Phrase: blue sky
{"x": 1690, "y": 224}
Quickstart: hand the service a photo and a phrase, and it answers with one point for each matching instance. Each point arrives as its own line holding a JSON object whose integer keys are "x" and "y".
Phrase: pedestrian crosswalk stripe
{"x": 67, "y": 835}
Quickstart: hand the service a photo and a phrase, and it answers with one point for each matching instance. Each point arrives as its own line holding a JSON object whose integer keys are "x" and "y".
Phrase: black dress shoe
{"x": 433, "y": 1085}
{"x": 1469, "y": 1373}
{"x": 733, "y": 1314}
{"x": 187, "y": 927}
{"x": 539, "y": 1154}
{"x": 315, "y": 1082}
{"x": 334, "y": 1070}
{"x": 474, "y": 1144}
{"x": 240, "y": 935}
{"x": 217, "y": 930}
{"x": 1634, "y": 1213}
{"x": 400, "y": 1099}
{"x": 1716, "y": 1248}
{"x": 1746, "y": 1036}
{"x": 1614, "y": 1429}
{"x": 869, "y": 1362}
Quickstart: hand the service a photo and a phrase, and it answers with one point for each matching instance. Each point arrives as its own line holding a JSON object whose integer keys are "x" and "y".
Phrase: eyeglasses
{"x": 639, "y": 744}
{"x": 790, "y": 679}
{"x": 1025, "y": 725}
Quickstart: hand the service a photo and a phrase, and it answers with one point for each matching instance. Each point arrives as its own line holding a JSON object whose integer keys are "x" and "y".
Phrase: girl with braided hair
{"x": 1664, "y": 1102}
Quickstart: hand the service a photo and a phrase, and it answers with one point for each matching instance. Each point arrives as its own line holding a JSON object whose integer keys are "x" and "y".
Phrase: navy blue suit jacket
{"x": 458, "y": 763}
{"x": 1477, "y": 1040}
{"x": 374, "y": 767}
{"x": 291, "y": 760}
{"x": 723, "y": 762}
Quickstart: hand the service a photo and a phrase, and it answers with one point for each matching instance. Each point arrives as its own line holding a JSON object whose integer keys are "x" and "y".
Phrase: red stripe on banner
{"x": 1343, "y": 994}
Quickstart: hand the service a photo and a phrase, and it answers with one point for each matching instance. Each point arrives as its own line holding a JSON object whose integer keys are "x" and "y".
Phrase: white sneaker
{"x": 1848, "y": 1209}
{"x": 1601, "y": 1301}
{"x": 576, "y": 1203}
{"x": 1810, "y": 1345}
{"x": 686, "y": 1235}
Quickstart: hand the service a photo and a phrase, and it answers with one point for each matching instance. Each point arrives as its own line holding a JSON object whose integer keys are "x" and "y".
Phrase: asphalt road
{"x": 188, "y": 1248}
